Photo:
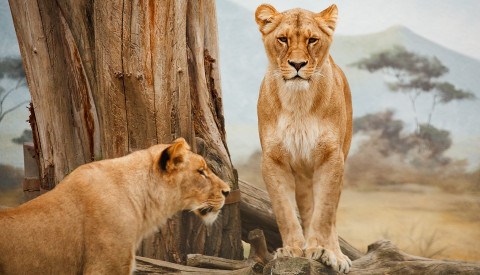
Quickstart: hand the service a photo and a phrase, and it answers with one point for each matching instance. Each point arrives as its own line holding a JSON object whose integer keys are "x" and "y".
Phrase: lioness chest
{"x": 298, "y": 126}
{"x": 299, "y": 135}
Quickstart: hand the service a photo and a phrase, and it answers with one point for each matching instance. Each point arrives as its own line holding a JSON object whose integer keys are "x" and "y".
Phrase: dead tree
{"x": 110, "y": 77}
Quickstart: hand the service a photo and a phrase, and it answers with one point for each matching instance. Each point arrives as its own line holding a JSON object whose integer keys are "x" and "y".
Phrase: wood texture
{"x": 297, "y": 266}
{"x": 256, "y": 212}
{"x": 199, "y": 260}
{"x": 382, "y": 258}
{"x": 258, "y": 247}
{"x": 152, "y": 266}
{"x": 110, "y": 77}
{"x": 385, "y": 258}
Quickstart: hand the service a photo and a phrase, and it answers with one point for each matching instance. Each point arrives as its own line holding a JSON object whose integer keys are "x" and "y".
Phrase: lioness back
{"x": 92, "y": 221}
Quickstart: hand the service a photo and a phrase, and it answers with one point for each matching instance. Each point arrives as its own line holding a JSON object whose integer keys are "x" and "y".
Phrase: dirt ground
{"x": 420, "y": 220}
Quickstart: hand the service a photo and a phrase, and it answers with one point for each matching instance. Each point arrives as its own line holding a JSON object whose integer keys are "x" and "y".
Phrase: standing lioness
{"x": 93, "y": 220}
{"x": 305, "y": 124}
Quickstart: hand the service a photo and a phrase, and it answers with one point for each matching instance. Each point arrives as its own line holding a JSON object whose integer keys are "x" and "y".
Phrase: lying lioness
{"x": 94, "y": 219}
{"x": 305, "y": 124}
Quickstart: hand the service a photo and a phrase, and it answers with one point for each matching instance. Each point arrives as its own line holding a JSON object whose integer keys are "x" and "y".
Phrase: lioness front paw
{"x": 340, "y": 262}
{"x": 288, "y": 251}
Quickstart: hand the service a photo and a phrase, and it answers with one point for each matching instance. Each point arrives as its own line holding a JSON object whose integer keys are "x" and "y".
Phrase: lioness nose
{"x": 225, "y": 193}
{"x": 297, "y": 65}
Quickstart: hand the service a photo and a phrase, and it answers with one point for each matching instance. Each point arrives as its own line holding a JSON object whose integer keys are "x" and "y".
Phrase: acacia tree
{"x": 414, "y": 75}
{"x": 110, "y": 77}
{"x": 11, "y": 68}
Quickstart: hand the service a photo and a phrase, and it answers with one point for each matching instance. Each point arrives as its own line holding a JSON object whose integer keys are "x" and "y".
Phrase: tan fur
{"x": 305, "y": 125}
{"x": 93, "y": 220}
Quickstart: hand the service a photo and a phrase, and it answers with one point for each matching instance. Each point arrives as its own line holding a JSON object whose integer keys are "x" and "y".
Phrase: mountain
{"x": 243, "y": 63}
{"x": 369, "y": 91}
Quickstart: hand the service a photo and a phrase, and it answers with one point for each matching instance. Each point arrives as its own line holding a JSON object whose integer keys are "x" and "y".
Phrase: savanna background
{"x": 413, "y": 173}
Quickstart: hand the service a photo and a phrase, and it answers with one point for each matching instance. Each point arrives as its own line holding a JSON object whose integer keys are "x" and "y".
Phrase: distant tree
{"x": 390, "y": 128}
{"x": 414, "y": 75}
{"x": 12, "y": 68}
{"x": 25, "y": 137}
{"x": 437, "y": 141}
{"x": 391, "y": 155}
{"x": 446, "y": 92}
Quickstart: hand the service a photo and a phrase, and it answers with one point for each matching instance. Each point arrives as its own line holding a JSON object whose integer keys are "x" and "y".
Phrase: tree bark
{"x": 111, "y": 77}
{"x": 382, "y": 258}
{"x": 199, "y": 260}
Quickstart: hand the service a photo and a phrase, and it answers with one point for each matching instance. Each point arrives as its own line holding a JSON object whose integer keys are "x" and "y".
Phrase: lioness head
{"x": 201, "y": 190}
{"x": 296, "y": 41}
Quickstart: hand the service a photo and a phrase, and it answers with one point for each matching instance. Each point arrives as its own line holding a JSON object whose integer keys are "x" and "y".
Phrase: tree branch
{"x": 432, "y": 109}
{"x": 19, "y": 84}
{"x": 2, "y": 115}
{"x": 5, "y": 95}
{"x": 412, "y": 100}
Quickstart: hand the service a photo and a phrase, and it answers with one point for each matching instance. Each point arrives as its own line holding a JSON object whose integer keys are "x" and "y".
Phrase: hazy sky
{"x": 454, "y": 24}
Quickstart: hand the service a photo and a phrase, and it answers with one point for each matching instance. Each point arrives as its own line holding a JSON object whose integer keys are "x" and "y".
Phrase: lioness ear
{"x": 327, "y": 19}
{"x": 173, "y": 155}
{"x": 267, "y": 18}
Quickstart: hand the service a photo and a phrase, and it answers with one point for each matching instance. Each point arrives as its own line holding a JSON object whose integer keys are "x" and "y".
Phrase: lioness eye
{"x": 312, "y": 40}
{"x": 202, "y": 172}
{"x": 283, "y": 39}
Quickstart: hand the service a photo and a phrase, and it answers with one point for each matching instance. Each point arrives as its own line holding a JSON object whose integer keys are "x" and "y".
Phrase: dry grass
{"x": 420, "y": 241}
{"x": 420, "y": 220}
{"x": 251, "y": 171}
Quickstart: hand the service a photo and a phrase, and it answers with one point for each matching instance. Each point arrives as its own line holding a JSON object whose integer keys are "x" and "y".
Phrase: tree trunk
{"x": 110, "y": 77}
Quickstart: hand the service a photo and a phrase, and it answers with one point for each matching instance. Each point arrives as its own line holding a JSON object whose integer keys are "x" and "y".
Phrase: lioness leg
{"x": 103, "y": 264}
{"x": 110, "y": 253}
{"x": 322, "y": 239}
{"x": 304, "y": 198}
{"x": 281, "y": 187}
